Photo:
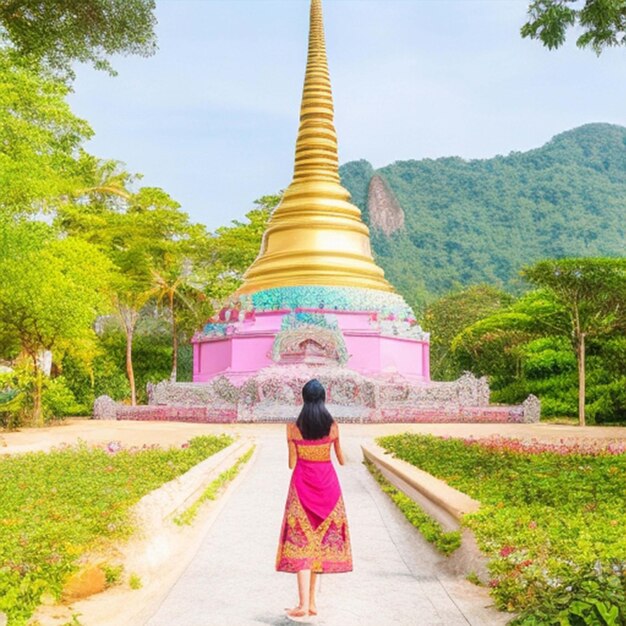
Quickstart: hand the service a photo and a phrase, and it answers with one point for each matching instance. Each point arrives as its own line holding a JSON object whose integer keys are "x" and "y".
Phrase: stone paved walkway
{"x": 398, "y": 579}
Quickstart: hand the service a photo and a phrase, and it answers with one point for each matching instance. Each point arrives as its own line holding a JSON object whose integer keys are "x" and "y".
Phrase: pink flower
{"x": 113, "y": 447}
{"x": 532, "y": 525}
{"x": 506, "y": 551}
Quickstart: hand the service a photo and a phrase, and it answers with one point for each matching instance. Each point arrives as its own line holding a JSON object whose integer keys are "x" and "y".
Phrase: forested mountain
{"x": 480, "y": 221}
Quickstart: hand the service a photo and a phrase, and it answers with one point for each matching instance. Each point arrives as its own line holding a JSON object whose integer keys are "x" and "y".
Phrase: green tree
{"x": 138, "y": 241}
{"x": 222, "y": 259}
{"x": 58, "y": 33}
{"x": 50, "y": 296}
{"x": 494, "y": 345}
{"x": 449, "y": 315}
{"x": 601, "y": 23}
{"x": 592, "y": 294}
{"x": 142, "y": 233}
{"x": 237, "y": 245}
{"x": 175, "y": 284}
{"x": 40, "y": 140}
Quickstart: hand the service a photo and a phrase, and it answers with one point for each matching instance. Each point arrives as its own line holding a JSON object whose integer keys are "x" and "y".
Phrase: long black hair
{"x": 314, "y": 421}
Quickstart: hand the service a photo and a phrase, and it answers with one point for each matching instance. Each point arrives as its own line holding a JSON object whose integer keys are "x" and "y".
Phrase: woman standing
{"x": 314, "y": 537}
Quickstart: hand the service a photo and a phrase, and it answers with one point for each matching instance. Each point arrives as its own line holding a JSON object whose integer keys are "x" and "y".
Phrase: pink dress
{"x": 314, "y": 533}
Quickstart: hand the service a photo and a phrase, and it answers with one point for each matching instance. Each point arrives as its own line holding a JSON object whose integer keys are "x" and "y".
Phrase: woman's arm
{"x": 292, "y": 448}
{"x": 337, "y": 445}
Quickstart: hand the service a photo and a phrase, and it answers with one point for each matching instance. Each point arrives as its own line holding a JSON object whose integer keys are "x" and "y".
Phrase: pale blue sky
{"x": 212, "y": 117}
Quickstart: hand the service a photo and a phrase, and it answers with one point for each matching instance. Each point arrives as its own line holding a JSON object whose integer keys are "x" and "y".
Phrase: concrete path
{"x": 398, "y": 579}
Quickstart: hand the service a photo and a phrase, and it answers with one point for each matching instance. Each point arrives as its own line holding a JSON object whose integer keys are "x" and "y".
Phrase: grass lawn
{"x": 552, "y": 521}
{"x": 56, "y": 506}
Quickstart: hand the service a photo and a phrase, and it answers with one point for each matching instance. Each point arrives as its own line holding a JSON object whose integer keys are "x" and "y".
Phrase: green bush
{"x": 548, "y": 356}
{"x": 11, "y": 401}
{"x": 58, "y": 400}
{"x": 56, "y": 506}
{"x": 79, "y": 378}
{"x": 552, "y": 521}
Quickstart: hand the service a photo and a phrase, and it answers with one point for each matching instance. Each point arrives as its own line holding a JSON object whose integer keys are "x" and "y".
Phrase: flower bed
{"x": 56, "y": 506}
{"x": 552, "y": 520}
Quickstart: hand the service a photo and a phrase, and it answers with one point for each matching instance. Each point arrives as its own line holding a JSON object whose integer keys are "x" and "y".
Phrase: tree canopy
{"x": 592, "y": 294}
{"x": 57, "y": 33}
{"x": 552, "y": 340}
{"x": 51, "y": 291}
{"x": 450, "y": 315}
{"x": 600, "y": 23}
{"x": 40, "y": 140}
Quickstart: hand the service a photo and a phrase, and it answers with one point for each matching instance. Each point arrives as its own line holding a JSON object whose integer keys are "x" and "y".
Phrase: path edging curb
{"x": 452, "y": 501}
{"x": 178, "y": 494}
{"x": 158, "y": 538}
{"x": 443, "y": 503}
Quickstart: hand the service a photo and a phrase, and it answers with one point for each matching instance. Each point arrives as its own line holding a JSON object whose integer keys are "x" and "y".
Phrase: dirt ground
{"x": 130, "y": 433}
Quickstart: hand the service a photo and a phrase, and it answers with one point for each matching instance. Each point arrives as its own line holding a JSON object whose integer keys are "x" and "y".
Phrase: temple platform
{"x": 273, "y": 395}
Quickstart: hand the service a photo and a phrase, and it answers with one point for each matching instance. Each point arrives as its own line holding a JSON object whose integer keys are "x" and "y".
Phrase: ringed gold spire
{"x": 316, "y": 235}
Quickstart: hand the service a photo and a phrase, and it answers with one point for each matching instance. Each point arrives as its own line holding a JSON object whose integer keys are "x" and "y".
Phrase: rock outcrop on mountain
{"x": 468, "y": 222}
{"x": 385, "y": 213}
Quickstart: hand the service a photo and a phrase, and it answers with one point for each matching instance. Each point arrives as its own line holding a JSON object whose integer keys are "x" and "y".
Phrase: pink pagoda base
{"x": 250, "y": 345}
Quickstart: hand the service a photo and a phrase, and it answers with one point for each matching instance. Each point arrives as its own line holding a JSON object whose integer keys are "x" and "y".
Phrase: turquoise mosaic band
{"x": 329, "y": 298}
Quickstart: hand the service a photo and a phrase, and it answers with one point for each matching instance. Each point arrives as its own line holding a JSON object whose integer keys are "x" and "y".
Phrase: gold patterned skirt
{"x": 307, "y": 540}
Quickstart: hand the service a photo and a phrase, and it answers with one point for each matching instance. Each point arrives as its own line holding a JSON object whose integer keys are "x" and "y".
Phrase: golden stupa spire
{"x": 315, "y": 236}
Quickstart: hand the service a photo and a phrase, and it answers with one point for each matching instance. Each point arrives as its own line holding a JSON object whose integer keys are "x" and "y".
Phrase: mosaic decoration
{"x": 387, "y": 305}
{"x": 390, "y": 313}
{"x": 304, "y": 318}
{"x": 274, "y": 394}
{"x": 215, "y": 329}
{"x": 309, "y": 338}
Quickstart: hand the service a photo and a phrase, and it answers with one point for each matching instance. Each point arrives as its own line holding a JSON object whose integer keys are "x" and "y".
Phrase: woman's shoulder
{"x": 334, "y": 431}
{"x": 293, "y": 432}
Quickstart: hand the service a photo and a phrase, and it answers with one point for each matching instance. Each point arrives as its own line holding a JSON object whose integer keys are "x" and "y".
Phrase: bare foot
{"x": 297, "y": 611}
{"x": 298, "y": 615}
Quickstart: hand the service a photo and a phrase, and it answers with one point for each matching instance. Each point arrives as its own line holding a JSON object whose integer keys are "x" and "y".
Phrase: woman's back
{"x": 314, "y": 450}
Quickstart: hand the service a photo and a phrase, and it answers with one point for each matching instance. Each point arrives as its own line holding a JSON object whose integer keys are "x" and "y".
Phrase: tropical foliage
{"x": 551, "y": 521}
{"x": 553, "y": 340}
{"x": 87, "y": 255}
{"x": 56, "y": 33}
{"x": 50, "y": 295}
{"x": 599, "y": 24}
{"x": 449, "y": 315}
